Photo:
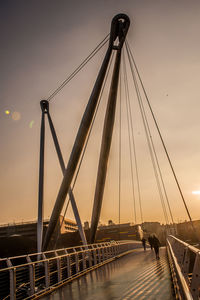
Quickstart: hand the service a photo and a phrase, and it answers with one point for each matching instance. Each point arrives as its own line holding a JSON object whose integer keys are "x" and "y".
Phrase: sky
{"x": 42, "y": 42}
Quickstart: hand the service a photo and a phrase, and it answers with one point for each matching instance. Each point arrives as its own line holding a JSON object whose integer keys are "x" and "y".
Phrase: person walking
{"x": 144, "y": 243}
{"x": 155, "y": 244}
{"x": 150, "y": 242}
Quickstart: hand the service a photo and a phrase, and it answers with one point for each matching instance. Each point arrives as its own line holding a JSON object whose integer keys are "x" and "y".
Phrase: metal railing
{"x": 184, "y": 262}
{"x": 30, "y": 276}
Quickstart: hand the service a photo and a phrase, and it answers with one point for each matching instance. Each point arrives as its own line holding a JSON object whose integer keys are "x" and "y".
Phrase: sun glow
{"x": 196, "y": 192}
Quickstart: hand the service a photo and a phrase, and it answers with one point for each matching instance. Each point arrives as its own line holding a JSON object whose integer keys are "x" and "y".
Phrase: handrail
{"x": 60, "y": 249}
{"x": 181, "y": 278}
{"x": 185, "y": 265}
{"x": 32, "y": 275}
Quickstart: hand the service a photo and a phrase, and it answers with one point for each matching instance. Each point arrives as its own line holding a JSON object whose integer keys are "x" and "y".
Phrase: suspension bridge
{"x": 116, "y": 269}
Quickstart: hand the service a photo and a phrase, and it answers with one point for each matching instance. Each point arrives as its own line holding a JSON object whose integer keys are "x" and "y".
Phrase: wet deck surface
{"x": 137, "y": 275}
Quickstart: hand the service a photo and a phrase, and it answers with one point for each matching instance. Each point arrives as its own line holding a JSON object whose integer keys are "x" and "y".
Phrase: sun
{"x": 196, "y": 192}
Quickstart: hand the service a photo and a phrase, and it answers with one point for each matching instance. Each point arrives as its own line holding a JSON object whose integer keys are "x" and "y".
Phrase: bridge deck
{"x": 137, "y": 275}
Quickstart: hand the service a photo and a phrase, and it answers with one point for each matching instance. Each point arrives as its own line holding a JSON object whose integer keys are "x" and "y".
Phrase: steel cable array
{"x": 134, "y": 66}
{"x": 79, "y": 68}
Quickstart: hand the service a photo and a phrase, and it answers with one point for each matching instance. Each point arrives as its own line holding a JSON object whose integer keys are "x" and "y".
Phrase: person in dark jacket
{"x": 143, "y": 243}
{"x": 155, "y": 244}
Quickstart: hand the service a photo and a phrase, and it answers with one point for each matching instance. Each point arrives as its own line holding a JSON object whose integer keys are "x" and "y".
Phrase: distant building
{"x": 112, "y": 225}
{"x": 189, "y": 232}
{"x": 67, "y": 225}
{"x": 29, "y": 229}
{"x": 112, "y": 231}
{"x": 152, "y": 227}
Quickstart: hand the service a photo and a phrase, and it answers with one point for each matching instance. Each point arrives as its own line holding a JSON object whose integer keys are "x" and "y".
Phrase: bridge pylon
{"x": 119, "y": 28}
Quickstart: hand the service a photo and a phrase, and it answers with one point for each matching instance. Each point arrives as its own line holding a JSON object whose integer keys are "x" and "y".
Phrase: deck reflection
{"x": 135, "y": 276}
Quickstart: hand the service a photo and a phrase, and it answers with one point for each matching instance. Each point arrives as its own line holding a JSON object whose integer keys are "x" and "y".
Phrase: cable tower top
{"x": 119, "y": 28}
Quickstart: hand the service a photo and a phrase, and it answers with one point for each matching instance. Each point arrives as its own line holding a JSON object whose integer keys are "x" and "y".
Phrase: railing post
{"x": 31, "y": 275}
{"x": 68, "y": 264}
{"x": 99, "y": 255}
{"x": 179, "y": 251}
{"x": 195, "y": 283}
{"x": 90, "y": 257}
{"x": 118, "y": 248}
{"x": 103, "y": 252}
{"x": 76, "y": 260}
{"x": 46, "y": 268}
{"x": 12, "y": 276}
{"x": 107, "y": 252}
{"x": 186, "y": 263}
{"x": 58, "y": 267}
{"x": 115, "y": 250}
{"x": 94, "y": 255}
{"x": 84, "y": 259}
{"x": 112, "y": 250}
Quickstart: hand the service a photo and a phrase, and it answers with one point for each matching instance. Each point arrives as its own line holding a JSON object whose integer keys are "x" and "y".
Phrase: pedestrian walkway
{"x": 137, "y": 275}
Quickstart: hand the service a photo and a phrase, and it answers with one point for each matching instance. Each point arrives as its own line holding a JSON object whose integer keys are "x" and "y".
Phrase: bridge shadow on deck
{"x": 137, "y": 275}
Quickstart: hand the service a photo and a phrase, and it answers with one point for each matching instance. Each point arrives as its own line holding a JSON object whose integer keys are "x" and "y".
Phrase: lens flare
{"x": 7, "y": 112}
{"x": 16, "y": 116}
{"x": 31, "y": 124}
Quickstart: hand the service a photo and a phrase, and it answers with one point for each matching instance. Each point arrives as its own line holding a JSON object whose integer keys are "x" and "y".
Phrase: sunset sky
{"x": 42, "y": 42}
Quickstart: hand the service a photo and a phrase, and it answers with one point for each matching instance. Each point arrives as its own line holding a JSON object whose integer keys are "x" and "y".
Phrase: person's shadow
{"x": 159, "y": 270}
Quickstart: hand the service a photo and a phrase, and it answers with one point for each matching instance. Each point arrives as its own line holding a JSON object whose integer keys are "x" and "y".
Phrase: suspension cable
{"x": 149, "y": 142}
{"x": 120, "y": 151}
{"x": 79, "y": 68}
{"x": 155, "y": 155}
{"x": 129, "y": 138}
{"x": 157, "y": 162}
{"x": 134, "y": 147}
{"x": 164, "y": 146}
{"x": 120, "y": 140}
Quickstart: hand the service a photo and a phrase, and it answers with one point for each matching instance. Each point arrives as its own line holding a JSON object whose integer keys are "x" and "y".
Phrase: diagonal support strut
{"x": 45, "y": 110}
{"x": 119, "y": 28}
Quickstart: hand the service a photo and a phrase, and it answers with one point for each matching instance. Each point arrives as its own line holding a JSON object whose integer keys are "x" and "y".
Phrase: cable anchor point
{"x": 44, "y": 104}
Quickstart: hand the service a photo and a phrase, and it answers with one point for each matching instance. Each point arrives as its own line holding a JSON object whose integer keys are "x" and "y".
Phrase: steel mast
{"x": 119, "y": 27}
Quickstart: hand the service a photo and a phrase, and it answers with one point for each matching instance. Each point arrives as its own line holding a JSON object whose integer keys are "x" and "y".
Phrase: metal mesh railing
{"x": 24, "y": 277}
{"x": 184, "y": 262}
